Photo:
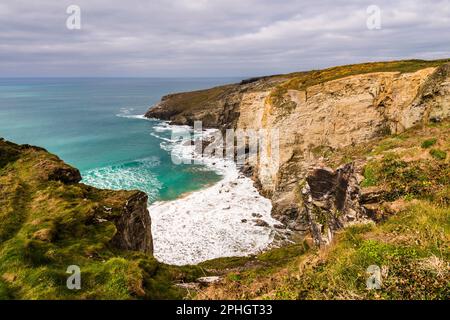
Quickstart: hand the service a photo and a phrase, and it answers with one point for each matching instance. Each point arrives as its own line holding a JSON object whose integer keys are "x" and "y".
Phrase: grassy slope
{"x": 303, "y": 80}
{"x": 410, "y": 243}
{"x": 48, "y": 225}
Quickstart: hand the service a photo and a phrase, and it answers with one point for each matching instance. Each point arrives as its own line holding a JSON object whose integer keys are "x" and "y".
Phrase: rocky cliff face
{"x": 134, "y": 225}
{"x": 216, "y": 108}
{"x": 331, "y": 201}
{"x": 316, "y": 113}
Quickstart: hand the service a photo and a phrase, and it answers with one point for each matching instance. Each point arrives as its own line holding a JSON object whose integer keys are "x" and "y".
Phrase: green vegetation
{"x": 48, "y": 225}
{"x": 438, "y": 154}
{"x": 411, "y": 249}
{"x": 429, "y": 143}
{"x": 252, "y": 273}
{"x": 419, "y": 179}
{"x": 190, "y": 102}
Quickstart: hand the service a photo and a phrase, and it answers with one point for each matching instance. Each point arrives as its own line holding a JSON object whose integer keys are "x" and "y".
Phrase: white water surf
{"x": 219, "y": 221}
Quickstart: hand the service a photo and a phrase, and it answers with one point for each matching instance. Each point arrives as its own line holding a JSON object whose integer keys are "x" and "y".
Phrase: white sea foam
{"x": 127, "y": 176}
{"x": 132, "y": 116}
{"x": 219, "y": 221}
{"x": 127, "y": 112}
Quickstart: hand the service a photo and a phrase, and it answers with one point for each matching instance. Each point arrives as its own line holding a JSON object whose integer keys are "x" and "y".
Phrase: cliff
{"x": 317, "y": 113}
{"x": 50, "y": 221}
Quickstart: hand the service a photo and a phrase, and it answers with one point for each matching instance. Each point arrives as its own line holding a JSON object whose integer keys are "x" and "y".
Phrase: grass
{"x": 429, "y": 143}
{"x": 438, "y": 154}
{"x": 252, "y": 273}
{"x": 402, "y": 247}
{"x": 411, "y": 249}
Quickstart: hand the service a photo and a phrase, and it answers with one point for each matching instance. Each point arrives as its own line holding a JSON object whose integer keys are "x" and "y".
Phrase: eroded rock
{"x": 331, "y": 201}
{"x": 134, "y": 225}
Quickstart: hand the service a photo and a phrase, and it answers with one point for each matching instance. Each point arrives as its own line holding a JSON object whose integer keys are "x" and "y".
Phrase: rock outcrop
{"x": 315, "y": 113}
{"x": 31, "y": 176}
{"x": 51, "y": 222}
{"x": 331, "y": 201}
{"x": 134, "y": 225}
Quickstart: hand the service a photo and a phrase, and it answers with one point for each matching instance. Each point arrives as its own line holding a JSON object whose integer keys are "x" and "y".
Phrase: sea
{"x": 199, "y": 211}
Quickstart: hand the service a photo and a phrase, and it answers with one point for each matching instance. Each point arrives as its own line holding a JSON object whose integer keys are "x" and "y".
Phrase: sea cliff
{"x": 317, "y": 113}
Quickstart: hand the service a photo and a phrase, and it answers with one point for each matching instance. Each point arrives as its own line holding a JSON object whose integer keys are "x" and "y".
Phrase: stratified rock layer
{"x": 331, "y": 201}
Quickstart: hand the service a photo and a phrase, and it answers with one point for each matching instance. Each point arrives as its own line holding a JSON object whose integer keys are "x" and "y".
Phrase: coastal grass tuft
{"x": 438, "y": 154}
{"x": 429, "y": 143}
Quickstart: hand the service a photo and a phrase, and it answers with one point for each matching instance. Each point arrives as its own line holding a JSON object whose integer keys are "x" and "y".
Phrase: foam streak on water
{"x": 218, "y": 221}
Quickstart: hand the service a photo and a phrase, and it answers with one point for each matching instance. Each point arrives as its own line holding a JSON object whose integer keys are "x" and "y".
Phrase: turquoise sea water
{"x": 89, "y": 124}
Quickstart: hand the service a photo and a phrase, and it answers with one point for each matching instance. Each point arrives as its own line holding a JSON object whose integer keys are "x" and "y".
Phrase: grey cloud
{"x": 213, "y": 37}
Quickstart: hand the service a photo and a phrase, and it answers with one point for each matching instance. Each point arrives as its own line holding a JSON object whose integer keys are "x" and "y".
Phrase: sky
{"x": 214, "y": 38}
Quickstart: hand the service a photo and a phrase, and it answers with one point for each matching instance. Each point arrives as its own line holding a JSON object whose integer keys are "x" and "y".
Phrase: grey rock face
{"x": 332, "y": 201}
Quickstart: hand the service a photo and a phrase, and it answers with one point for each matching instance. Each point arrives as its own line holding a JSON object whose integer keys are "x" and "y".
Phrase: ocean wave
{"x": 162, "y": 138}
{"x": 134, "y": 175}
{"x": 219, "y": 221}
{"x": 133, "y": 116}
{"x": 128, "y": 112}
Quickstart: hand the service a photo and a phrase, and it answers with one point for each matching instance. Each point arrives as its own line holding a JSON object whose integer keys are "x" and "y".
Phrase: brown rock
{"x": 326, "y": 116}
{"x": 372, "y": 194}
{"x": 9, "y": 277}
{"x": 44, "y": 235}
{"x": 134, "y": 225}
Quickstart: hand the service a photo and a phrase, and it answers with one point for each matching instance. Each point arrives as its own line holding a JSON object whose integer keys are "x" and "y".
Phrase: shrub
{"x": 438, "y": 154}
{"x": 428, "y": 143}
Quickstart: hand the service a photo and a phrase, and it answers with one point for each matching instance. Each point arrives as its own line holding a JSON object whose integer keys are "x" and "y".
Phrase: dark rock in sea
{"x": 261, "y": 223}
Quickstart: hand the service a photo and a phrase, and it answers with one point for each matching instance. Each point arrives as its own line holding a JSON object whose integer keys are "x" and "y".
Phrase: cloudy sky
{"x": 213, "y": 37}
